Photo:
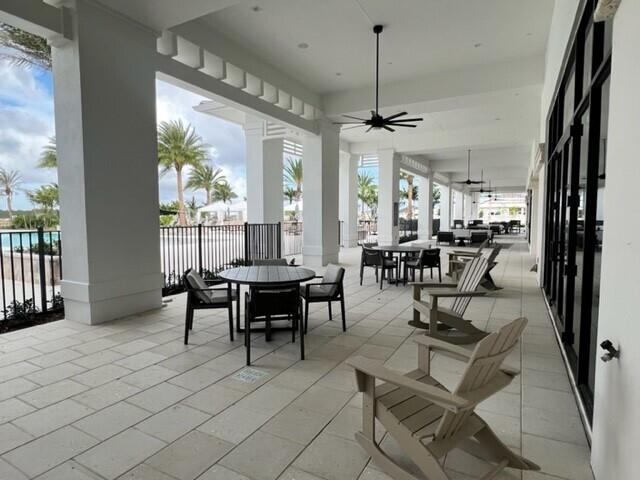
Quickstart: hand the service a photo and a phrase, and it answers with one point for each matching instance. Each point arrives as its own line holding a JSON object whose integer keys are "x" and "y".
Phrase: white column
{"x": 349, "y": 198}
{"x": 425, "y": 208}
{"x": 320, "y": 161}
{"x": 264, "y": 174}
{"x": 458, "y": 210}
{"x": 467, "y": 207}
{"x": 445, "y": 207}
{"x": 105, "y": 110}
{"x": 388, "y": 196}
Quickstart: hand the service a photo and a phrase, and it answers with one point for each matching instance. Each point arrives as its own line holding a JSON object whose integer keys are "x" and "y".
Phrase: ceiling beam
{"x": 36, "y": 17}
{"x": 186, "y": 77}
{"x": 206, "y": 37}
{"x": 446, "y": 85}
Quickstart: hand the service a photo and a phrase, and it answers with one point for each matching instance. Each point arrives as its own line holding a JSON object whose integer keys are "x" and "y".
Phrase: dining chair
{"x": 202, "y": 294}
{"x": 271, "y": 304}
{"x": 444, "y": 237}
{"x": 330, "y": 289}
{"x": 428, "y": 258}
{"x": 377, "y": 260}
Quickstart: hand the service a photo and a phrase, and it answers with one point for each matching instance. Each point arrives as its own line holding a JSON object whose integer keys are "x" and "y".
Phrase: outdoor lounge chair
{"x": 459, "y": 258}
{"x": 450, "y": 320}
{"x": 329, "y": 290}
{"x": 427, "y": 420}
{"x": 202, "y": 294}
{"x": 479, "y": 237}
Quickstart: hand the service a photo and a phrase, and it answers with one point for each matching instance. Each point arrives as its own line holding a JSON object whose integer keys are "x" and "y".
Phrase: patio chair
{"x": 427, "y": 258}
{"x": 329, "y": 290}
{"x": 271, "y": 304}
{"x": 479, "y": 237}
{"x": 377, "y": 260}
{"x": 459, "y": 258}
{"x": 202, "y": 295}
{"x": 444, "y": 237}
{"x": 458, "y": 224}
{"x": 447, "y": 323}
{"x": 427, "y": 420}
{"x": 487, "y": 281}
{"x": 277, "y": 262}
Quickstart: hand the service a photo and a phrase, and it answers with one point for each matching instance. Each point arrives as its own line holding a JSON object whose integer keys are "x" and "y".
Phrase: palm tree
{"x": 367, "y": 191}
{"x": 23, "y": 48}
{"x": 49, "y": 155}
{"x": 179, "y": 146}
{"x": 408, "y": 193}
{"x": 223, "y": 192}
{"x": 10, "y": 181}
{"x": 293, "y": 175}
{"x": 290, "y": 193}
{"x": 204, "y": 177}
{"x": 46, "y": 196}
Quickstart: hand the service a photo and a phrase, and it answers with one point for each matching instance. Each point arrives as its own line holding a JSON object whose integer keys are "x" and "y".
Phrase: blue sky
{"x": 27, "y": 122}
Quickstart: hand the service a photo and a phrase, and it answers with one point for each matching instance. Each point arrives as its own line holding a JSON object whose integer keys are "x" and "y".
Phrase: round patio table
{"x": 400, "y": 250}
{"x": 264, "y": 276}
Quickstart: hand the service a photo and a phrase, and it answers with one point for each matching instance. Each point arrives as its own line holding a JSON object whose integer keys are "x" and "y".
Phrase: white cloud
{"x": 27, "y": 122}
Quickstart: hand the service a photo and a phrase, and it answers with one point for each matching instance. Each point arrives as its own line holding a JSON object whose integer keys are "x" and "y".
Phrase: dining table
{"x": 402, "y": 251}
{"x": 264, "y": 276}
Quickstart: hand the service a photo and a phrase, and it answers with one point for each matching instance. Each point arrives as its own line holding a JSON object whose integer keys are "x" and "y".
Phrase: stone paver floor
{"x": 128, "y": 400}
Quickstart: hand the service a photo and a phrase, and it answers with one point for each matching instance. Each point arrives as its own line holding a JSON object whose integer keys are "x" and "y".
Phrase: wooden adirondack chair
{"x": 450, "y": 319}
{"x": 457, "y": 258}
{"x": 487, "y": 281}
{"x": 426, "y": 419}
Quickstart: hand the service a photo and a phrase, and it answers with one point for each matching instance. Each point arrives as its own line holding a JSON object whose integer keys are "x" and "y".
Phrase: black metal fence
{"x": 292, "y": 235}
{"x": 367, "y": 231}
{"x": 408, "y": 230}
{"x": 211, "y": 249}
{"x": 30, "y": 271}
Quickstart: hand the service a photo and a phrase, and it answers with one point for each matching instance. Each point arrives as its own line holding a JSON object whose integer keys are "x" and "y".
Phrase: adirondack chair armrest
{"x": 367, "y": 367}
{"x": 462, "y": 253}
{"x": 445, "y": 348}
{"x": 453, "y": 293}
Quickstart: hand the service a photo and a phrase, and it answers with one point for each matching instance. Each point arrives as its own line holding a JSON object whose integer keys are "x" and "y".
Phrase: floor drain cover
{"x": 249, "y": 375}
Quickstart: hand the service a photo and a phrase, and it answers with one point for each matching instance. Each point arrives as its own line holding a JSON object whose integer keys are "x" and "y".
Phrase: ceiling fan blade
{"x": 396, "y": 115}
{"x": 354, "y": 118}
{"x": 346, "y": 123}
{"x": 407, "y": 120}
{"x": 402, "y": 125}
{"x": 475, "y": 182}
{"x": 388, "y": 128}
{"x": 369, "y": 129}
{"x": 355, "y": 126}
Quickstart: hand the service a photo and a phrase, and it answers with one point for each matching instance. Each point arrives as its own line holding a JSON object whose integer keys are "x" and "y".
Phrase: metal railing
{"x": 367, "y": 231}
{"x": 408, "y": 230}
{"x": 30, "y": 270}
{"x": 211, "y": 249}
{"x": 292, "y": 236}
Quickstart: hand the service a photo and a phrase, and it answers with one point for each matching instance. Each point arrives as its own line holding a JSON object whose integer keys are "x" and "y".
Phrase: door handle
{"x": 612, "y": 352}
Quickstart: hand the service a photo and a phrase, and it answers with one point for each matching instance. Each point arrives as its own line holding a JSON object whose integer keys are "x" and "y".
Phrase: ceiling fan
{"x": 482, "y": 190}
{"x": 377, "y": 121}
{"x": 468, "y": 181}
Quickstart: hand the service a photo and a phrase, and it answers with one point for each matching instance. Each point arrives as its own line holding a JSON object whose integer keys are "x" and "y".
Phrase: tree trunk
{"x": 9, "y": 206}
{"x": 409, "y": 197}
{"x": 207, "y": 193}
{"x": 182, "y": 218}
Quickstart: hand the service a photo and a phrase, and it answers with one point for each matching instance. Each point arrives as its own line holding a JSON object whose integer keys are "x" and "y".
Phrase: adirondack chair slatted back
{"x": 471, "y": 276}
{"x": 494, "y": 253}
{"x": 484, "y": 364}
{"x": 481, "y": 247}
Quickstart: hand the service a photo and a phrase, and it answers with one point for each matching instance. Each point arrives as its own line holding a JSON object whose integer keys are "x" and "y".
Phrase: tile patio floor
{"x": 127, "y": 400}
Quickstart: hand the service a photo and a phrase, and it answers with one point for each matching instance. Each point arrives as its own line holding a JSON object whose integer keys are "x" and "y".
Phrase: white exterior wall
{"x": 445, "y": 207}
{"x": 616, "y": 426}
{"x": 105, "y": 109}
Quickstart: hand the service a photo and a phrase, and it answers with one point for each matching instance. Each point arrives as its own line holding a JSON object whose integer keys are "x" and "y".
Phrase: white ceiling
{"x": 421, "y": 37}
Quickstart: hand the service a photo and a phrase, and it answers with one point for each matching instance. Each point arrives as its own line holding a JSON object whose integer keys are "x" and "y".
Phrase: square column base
{"x": 105, "y": 310}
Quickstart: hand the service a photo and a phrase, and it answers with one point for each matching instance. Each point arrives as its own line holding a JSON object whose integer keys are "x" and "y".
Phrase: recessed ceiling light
{"x": 497, "y": 119}
{"x": 389, "y": 63}
{"x": 477, "y": 45}
{"x": 256, "y": 8}
{"x": 529, "y": 34}
{"x": 517, "y": 94}
{"x": 303, "y": 45}
{"x": 338, "y": 74}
